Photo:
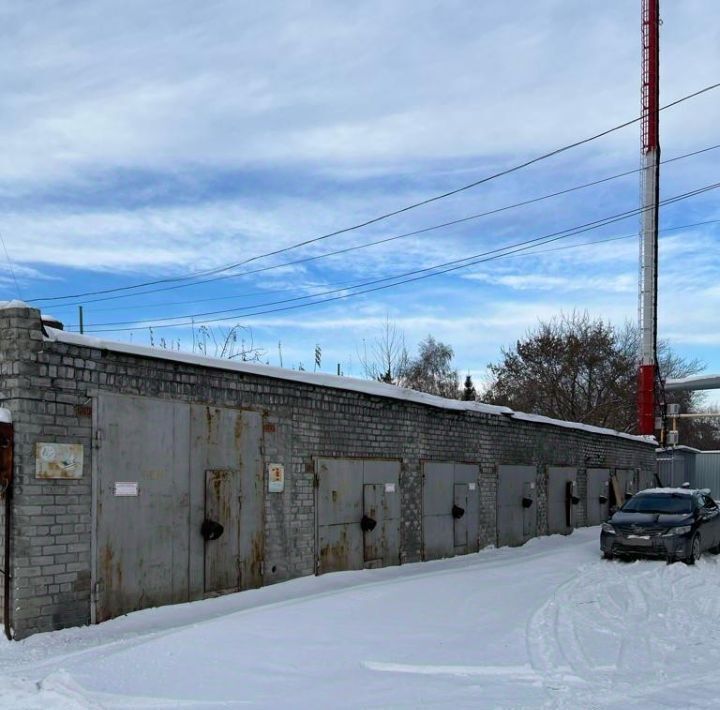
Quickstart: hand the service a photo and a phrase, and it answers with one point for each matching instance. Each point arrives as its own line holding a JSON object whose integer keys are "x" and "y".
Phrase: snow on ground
{"x": 546, "y": 625}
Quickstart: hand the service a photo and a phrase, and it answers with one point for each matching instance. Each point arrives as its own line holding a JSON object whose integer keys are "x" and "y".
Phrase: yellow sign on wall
{"x": 58, "y": 460}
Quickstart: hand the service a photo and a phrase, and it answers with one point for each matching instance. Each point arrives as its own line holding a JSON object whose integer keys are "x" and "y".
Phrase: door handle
{"x": 211, "y": 530}
{"x": 526, "y": 502}
{"x": 367, "y": 524}
{"x": 457, "y": 512}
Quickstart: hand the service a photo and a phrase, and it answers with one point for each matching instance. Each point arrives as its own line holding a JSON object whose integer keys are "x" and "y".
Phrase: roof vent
{"x": 52, "y": 322}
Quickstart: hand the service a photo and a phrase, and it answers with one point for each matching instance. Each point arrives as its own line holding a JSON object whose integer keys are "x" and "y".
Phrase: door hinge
{"x": 316, "y": 480}
{"x": 98, "y": 438}
{"x": 97, "y": 590}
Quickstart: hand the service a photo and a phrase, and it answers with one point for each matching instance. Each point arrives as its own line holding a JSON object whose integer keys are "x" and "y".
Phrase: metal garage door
{"x": 358, "y": 514}
{"x": 562, "y": 498}
{"x": 438, "y": 527}
{"x": 598, "y": 495}
{"x": 646, "y": 479}
{"x": 450, "y": 509}
{"x": 226, "y": 448}
{"x": 143, "y": 507}
{"x": 153, "y": 462}
{"x": 622, "y": 486}
{"x": 516, "y": 504}
{"x": 381, "y": 506}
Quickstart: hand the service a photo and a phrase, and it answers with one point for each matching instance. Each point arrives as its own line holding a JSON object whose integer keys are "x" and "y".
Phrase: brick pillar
{"x": 20, "y": 345}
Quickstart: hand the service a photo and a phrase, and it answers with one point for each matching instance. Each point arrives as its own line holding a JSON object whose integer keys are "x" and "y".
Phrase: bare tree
{"x": 579, "y": 369}
{"x": 701, "y": 434}
{"x": 386, "y": 358}
{"x": 431, "y": 371}
{"x": 236, "y": 343}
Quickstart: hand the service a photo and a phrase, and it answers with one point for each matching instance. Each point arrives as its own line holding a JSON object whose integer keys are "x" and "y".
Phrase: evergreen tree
{"x": 469, "y": 394}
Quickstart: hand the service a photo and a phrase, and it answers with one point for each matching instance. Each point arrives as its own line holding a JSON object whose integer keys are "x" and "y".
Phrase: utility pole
{"x": 649, "y": 195}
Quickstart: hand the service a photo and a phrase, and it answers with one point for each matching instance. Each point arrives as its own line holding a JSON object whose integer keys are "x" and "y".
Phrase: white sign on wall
{"x": 58, "y": 460}
{"x": 126, "y": 489}
{"x": 276, "y": 478}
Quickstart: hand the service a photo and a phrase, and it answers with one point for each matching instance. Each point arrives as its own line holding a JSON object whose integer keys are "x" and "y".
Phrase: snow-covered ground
{"x": 545, "y": 625}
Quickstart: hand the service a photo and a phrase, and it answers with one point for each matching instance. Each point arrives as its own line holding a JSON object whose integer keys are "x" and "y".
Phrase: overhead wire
{"x": 264, "y": 292}
{"x": 395, "y": 237}
{"x": 417, "y": 274}
{"x": 393, "y": 213}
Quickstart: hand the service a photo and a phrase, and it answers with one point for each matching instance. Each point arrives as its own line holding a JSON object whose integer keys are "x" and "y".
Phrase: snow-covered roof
{"x": 674, "y": 491}
{"x": 13, "y": 304}
{"x": 680, "y": 447}
{"x": 352, "y": 384}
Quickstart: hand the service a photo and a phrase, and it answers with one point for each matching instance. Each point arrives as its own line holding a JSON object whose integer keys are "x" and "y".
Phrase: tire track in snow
{"x": 622, "y": 631}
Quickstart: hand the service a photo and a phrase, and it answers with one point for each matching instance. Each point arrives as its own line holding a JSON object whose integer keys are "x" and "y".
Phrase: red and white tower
{"x": 650, "y": 191}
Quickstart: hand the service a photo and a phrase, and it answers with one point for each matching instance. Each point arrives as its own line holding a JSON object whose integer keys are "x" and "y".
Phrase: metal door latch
{"x": 457, "y": 512}
{"x": 211, "y": 530}
{"x": 367, "y": 524}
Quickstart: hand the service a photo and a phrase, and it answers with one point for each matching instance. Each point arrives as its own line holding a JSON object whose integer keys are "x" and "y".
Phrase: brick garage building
{"x": 145, "y": 477}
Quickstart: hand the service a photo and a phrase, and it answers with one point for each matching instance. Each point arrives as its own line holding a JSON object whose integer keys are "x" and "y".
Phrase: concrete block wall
{"x": 50, "y": 387}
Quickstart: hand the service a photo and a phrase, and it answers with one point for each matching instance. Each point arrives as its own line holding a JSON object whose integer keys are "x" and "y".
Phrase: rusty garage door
{"x": 516, "y": 504}
{"x": 622, "y": 487}
{"x": 450, "y": 509}
{"x": 226, "y": 448}
{"x": 598, "y": 495}
{"x": 154, "y": 461}
{"x": 562, "y": 498}
{"x": 228, "y": 490}
{"x": 358, "y": 514}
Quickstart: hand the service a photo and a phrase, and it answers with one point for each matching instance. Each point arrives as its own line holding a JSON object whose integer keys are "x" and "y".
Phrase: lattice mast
{"x": 649, "y": 195}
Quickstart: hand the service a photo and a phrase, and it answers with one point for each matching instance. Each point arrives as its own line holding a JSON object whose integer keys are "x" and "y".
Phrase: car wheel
{"x": 694, "y": 550}
{"x": 607, "y": 555}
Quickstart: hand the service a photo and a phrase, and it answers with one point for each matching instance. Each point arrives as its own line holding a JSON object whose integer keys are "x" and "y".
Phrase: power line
{"x": 414, "y": 275}
{"x": 386, "y": 240}
{"x": 348, "y": 283}
{"x": 387, "y": 215}
{"x": 633, "y": 235}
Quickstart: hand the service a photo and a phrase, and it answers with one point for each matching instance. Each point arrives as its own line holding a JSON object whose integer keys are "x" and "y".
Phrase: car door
{"x": 711, "y": 519}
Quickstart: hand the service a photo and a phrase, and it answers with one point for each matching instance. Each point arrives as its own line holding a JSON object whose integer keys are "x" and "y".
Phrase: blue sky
{"x": 146, "y": 141}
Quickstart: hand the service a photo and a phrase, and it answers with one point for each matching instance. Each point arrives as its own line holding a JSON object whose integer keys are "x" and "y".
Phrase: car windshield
{"x": 669, "y": 503}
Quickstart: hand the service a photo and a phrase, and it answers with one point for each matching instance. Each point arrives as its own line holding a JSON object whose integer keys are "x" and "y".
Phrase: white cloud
{"x": 97, "y": 84}
{"x": 250, "y": 126}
